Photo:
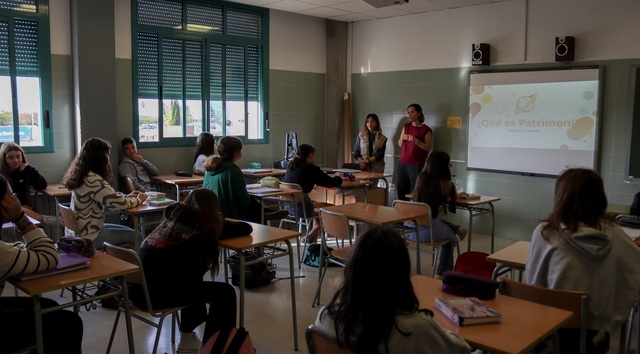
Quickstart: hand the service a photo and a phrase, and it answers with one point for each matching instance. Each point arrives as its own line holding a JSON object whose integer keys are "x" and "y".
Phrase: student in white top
{"x": 90, "y": 181}
{"x": 205, "y": 147}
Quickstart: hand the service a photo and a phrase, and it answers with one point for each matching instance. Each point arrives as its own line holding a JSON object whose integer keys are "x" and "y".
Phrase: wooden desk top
{"x": 274, "y": 194}
{"x": 472, "y": 202}
{"x": 366, "y": 175}
{"x": 349, "y": 184}
{"x": 173, "y": 179}
{"x": 513, "y": 256}
{"x": 262, "y": 235}
{"x": 56, "y": 190}
{"x": 145, "y": 208}
{"x": 273, "y": 172}
{"x": 374, "y": 214}
{"x": 103, "y": 266}
{"x": 523, "y": 323}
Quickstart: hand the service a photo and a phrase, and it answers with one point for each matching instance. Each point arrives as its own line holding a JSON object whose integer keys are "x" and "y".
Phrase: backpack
{"x": 229, "y": 340}
{"x": 255, "y": 275}
{"x": 312, "y": 255}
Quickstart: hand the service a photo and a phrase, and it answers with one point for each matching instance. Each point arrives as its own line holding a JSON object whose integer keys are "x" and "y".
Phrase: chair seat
{"x": 436, "y": 244}
{"x": 341, "y": 253}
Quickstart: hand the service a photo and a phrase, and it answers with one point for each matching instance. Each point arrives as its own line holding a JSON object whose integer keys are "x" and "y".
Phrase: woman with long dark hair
{"x": 375, "y": 309}
{"x": 90, "y": 181}
{"x": 175, "y": 257}
{"x": 579, "y": 248}
{"x": 205, "y": 147}
{"x": 371, "y": 145}
{"x": 303, "y": 171}
{"x": 415, "y": 143}
{"x": 434, "y": 187}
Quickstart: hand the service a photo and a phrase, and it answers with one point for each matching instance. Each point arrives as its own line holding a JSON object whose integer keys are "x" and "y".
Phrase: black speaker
{"x": 565, "y": 48}
{"x": 480, "y": 54}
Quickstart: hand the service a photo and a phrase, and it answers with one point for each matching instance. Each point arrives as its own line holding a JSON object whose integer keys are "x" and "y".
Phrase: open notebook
{"x": 68, "y": 262}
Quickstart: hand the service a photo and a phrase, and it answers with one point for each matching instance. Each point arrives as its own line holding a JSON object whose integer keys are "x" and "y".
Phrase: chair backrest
{"x": 68, "y": 218}
{"x": 128, "y": 184}
{"x": 404, "y": 205}
{"x": 476, "y": 263}
{"x": 320, "y": 343}
{"x": 129, "y": 255}
{"x": 574, "y": 301}
{"x": 335, "y": 224}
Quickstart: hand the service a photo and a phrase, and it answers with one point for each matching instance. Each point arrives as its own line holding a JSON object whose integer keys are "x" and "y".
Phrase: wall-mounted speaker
{"x": 480, "y": 54}
{"x": 565, "y": 48}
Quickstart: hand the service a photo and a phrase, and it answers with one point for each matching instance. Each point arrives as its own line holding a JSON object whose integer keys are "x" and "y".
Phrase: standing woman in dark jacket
{"x": 19, "y": 173}
{"x": 175, "y": 257}
{"x": 371, "y": 145}
{"x": 303, "y": 171}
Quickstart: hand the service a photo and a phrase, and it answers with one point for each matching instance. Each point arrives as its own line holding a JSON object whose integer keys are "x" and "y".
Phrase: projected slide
{"x": 533, "y": 122}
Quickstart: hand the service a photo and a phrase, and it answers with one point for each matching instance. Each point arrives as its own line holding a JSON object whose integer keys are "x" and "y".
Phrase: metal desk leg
{"x": 37, "y": 310}
{"x": 470, "y": 229}
{"x": 492, "y": 225}
{"x": 293, "y": 296}
{"x": 242, "y": 280}
{"x": 138, "y": 225}
{"x": 127, "y": 314}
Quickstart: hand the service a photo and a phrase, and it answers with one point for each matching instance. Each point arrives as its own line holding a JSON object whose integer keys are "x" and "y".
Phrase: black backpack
{"x": 255, "y": 275}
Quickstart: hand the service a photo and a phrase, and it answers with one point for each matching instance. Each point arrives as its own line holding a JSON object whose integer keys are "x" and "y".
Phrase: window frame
{"x": 41, "y": 16}
{"x": 206, "y": 40}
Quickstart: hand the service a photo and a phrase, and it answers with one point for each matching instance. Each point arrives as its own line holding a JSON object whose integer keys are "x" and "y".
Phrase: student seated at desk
{"x": 375, "y": 309}
{"x": 434, "y": 187}
{"x": 62, "y": 330}
{"x": 90, "y": 181}
{"x": 136, "y": 167}
{"x": 303, "y": 171}
{"x": 175, "y": 257}
{"x": 226, "y": 180}
{"x": 205, "y": 147}
{"x": 22, "y": 177}
{"x": 578, "y": 248}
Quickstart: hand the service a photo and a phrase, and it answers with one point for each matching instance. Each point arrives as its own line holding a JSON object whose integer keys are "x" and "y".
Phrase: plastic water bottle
{"x": 454, "y": 180}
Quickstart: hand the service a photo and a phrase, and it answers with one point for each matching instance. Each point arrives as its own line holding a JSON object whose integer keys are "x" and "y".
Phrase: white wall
{"x": 297, "y": 42}
{"x": 60, "y": 26}
{"x": 519, "y": 31}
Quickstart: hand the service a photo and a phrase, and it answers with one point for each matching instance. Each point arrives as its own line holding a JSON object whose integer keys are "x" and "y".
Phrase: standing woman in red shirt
{"x": 415, "y": 143}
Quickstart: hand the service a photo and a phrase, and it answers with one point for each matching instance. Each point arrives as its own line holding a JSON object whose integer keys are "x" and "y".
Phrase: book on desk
{"x": 465, "y": 311}
{"x": 470, "y": 196}
{"x": 161, "y": 202}
{"x": 69, "y": 261}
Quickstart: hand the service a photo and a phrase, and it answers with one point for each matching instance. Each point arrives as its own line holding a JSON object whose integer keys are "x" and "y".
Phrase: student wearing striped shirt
{"x": 62, "y": 329}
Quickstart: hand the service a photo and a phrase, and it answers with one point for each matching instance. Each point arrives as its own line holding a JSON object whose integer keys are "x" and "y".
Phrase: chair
{"x": 131, "y": 256}
{"x": 473, "y": 262}
{"x": 574, "y": 301}
{"x": 128, "y": 184}
{"x": 334, "y": 225}
{"x": 320, "y": 343}
{"x": 300, "y": 217}
{"x": 425, "y": 221}
{"x": 68, "y": 218}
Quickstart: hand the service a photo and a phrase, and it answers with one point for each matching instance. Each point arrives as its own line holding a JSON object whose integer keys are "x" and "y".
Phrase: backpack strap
{"x": 237, "y": 341}
{"x": 223, "y": 336}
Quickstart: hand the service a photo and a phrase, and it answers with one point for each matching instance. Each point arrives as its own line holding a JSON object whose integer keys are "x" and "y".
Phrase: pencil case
{"x": 75, "y": 244}
{"x": 466, "y": 284}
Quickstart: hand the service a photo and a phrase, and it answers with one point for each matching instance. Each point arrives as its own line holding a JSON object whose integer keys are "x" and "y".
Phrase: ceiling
{"x": 359, "y": 10}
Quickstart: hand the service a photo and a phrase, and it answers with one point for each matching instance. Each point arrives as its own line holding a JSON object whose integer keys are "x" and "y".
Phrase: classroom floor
{"x": 267, "y": 311}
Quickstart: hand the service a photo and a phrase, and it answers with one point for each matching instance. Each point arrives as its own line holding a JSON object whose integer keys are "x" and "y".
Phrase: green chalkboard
{"x": 633, "y": 164}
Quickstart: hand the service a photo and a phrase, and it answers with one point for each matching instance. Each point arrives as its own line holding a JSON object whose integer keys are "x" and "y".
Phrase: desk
{"x": 523, "y": 323}
{"x": 138, "y": 213}
{"x": 477, "y": 207}
{"x": 102, "y": 267}
{"x": 178, "y": 181}
{"x": 10, "y": 226}
{"x": 378, "y": 215}
{"x": 354, "y": 186}
{"x": 266, "y": 196}
{"x": 263, "y": 172}
{"x": 511, "y": 257}
{"x": 372, "y": 176}
{"x": 263, "y": 235}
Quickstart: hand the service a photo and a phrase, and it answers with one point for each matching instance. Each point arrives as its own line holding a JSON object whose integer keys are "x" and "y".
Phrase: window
{"x": 25, "y": 84}
{"x": 199, "y": 66}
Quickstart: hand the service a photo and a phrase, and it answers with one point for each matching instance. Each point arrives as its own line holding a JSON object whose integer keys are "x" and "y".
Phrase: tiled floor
{"x": 267, "y": 313}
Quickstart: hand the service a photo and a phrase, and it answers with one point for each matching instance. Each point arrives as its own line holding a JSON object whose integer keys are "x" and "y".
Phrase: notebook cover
{"x": 465, "y": 311}
{"x": 68, "y": 262}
